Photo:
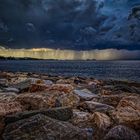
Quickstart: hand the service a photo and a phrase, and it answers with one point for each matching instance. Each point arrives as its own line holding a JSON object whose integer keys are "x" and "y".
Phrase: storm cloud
{"x": 69, "y": 24}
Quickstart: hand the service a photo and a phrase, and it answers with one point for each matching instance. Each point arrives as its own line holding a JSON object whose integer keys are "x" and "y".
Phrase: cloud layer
{"x": 69, "y": 24}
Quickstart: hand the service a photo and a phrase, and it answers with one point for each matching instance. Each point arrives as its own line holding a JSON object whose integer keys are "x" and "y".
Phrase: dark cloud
{"x": 69, "y": 24}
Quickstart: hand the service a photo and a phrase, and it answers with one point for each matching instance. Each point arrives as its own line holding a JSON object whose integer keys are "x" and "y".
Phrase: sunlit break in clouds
{"x": 107, "y": 54}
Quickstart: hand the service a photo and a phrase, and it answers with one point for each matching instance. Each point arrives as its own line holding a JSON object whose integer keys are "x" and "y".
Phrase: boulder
{"x": 125, "y": 88}
{"x": 33, "y": 85}
{"x": 102, "y": 121}
{"x": 94, "y": 88}
{"x": 23, "y": 85}
{"x": 39, "y": 84}
{"x": 102, "y": 124}
{"x": 85, "y": 94}
{"x": 61, "y": 113}
{"x": 38, "y": 87}
{"x": 128, "y": 112}
{"x": 48, "y": 82}
{"x": 112, "y": 100}
{"x": 121, "y": 133}
{"x": 36, "y": 101}
{"x": 10, "y": 108}
{"x": 17, "y": 78}
{"x": 65, "y": 81}
{"x": 95, "y": 82}
{"x": 82, "y": 119}
{"x": 66, "y": 88}
{"x": 70, "y": 100}
{"x": 41, "y": 127}
{"x": 96, "y": 106}
{"x": 40, "y": 81}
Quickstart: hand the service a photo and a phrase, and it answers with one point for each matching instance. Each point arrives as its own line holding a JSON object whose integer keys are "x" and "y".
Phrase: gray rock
{"x": 121, "y": 133}
{"x": 126, "y": 88}
{"x": 40, "y": 127}
{"x": 62, "y": 113}
{"x": 48, "y": 82}
{"x": 84, "y": 95}
{"x": 96, "y": 106}
{"x": 23, "y": 85}
{"x": 82, "y": 119}
{"x": 70, "y": 100}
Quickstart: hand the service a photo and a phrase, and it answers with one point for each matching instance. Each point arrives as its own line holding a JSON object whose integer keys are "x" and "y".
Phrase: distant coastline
{"x": 30, "y": 58}
{"x": 18, "y": 58}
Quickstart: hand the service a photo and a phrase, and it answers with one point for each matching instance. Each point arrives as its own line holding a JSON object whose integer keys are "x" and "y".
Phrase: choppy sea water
{"x": 119, "y": 70}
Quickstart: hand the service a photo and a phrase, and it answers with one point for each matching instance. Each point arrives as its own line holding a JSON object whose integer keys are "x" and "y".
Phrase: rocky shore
{"x": 43, "y": 107}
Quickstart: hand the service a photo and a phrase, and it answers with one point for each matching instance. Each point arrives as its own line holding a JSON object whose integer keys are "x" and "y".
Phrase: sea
{"x": 115, "y": 70}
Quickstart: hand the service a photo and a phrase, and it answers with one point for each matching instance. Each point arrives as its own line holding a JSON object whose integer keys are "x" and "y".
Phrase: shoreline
{"x": 40, "y": 105}
{"x": 63, "y": 76}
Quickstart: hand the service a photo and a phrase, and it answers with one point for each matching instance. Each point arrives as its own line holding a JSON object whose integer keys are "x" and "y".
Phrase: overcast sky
{"x": 78, "y": 25}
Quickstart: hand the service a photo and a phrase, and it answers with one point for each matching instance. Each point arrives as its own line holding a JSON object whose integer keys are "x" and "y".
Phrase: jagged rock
{"x": 16, "y": 79}
{"x": 128, "y": 112}
{"x": 40, "y": 81}
{"x": 102, "y": 121}
{"x": 39, "y": 84}
{"x": 102, "y": 124}
{"x": 85, "y": 95}
{"x": 36, "y": 101}
{"x": 23, "y": 85}
{"x": 125, "y": 88}
{"x": 121, "y": 133}
{"x": 112, "y": 100}
{"x": 122, "y": 87}
{"x": 70, "y": 100}
{"x": 7, "y": 96}
{"x": 40, "y": 127}
{"x": 62, "y": 113}
{"x": 37, "y": 87}
{"x": 48, "y": 82}
{"x": 66, "y": 88}
{"x": 33, "y": 84}
{"x": 64, "y": 81}
{"x": 82, "y": 119}
{"x": 10, "y": 108}
{"x": 95, "y": 82}
{"x": 96, "y": 106}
